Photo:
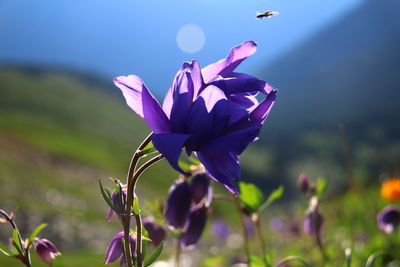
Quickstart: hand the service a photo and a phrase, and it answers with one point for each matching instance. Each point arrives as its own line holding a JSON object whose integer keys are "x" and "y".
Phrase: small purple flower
{"x": 200, "y": 187}
{"x": 46, "y": 250}
{"x": 304, "y": 182}
{"x": 116, "y": 249}
{"x": 389, "y": 219}
{"x": 212, "y": 112}
{"x": 178, "y": 204}
{"x": 221, "y": 230}
{"x": 116, "y": 200}
{"x": 194, "y": 227}
{"x": 313, "y": 222}
{"x": 157, "y": 234}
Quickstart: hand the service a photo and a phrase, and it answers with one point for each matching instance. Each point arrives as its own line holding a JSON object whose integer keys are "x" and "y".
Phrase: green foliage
{"x": 320, "y": 187}
{"x": 5, "y": 250}
{"x": 154, "y": 255}
{"x": 16, "y": 241}
{"x": 251, "y": 196}
{"x": 136, "y": 206}
{"x": 275, "y": 195}
{"x": 36, "y": 231}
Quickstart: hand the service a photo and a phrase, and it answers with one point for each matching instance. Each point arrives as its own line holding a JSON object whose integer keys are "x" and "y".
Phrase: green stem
{"x": 257, "y": 222}
{"x": 126, "y": 219}
{"x": 177, "y": 252}
{"x": 26, "y": 258}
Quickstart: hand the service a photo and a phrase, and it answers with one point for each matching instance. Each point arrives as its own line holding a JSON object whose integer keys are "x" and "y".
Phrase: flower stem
{"x": 257, "y": 221}
{"x": 26, "y": 259}
{"x": 126, "y": 219}
{"x": 177, "y": 252}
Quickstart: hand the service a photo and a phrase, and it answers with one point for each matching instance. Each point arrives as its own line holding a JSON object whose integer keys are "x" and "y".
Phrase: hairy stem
{"x": 177, "y": 252}
{"x": 126, "y": 219}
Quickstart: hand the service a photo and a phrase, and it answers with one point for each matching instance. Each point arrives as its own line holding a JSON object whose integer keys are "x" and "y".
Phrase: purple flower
{"x": 194, "y": 227}
{"x": 116, "y": 249}
{"x": 156, "y": 233}
{"x": 389, "y": 219}
{"x": 200, "y": 187}
{"x": 46, "y": 250}
{"x": 313, "y": 222}
{"x": 248, "y": 224}
{"x": 304, "y": 182}
{"x": 211, "y": 111}
{"x": 178, "y": 204}
{"x": 221, "y": 230}
{"x": 116, "y": 200}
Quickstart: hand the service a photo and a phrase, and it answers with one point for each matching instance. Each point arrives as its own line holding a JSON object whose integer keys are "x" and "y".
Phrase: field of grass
{"x": 60, "y": 133}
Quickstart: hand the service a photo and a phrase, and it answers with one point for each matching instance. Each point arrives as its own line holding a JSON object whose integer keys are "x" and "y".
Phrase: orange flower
{"x": 390, "y": 190}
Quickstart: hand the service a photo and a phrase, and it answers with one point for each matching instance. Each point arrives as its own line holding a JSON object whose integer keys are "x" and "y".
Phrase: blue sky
{"x": 120, "y": 37}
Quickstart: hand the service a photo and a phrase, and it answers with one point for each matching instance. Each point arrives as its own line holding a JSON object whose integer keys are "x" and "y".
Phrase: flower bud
{"x": 200, "y": 187}
{"x": 46, "y": 250}
{"x": 118, "y": 202}
{"x": 389, "y": 219}
{"x": 304, "y": 183}
{"x": 313, "y": 222}
{"x": 194, "y": 227}
{"x": 115, "y": 249}
{"x": 178, "y": 204}
{"x": 156, "y": 233}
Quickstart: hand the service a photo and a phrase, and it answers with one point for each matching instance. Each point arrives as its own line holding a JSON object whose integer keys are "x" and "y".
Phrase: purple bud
{"x": 200, "y": 187}
{"x": 304, "y": 182}
{"x": 220, "y": 230}
{"x": 116, "y": 200}
{"x": 157, "y": 234}
{"x": 46, "y": 251}
{"x": 313, "y": 222}
{"x": 389, "y": 219}
{"x": 116, "y": 249}
{"x": 194, "y": 227}
{"x": 178, "y": 204}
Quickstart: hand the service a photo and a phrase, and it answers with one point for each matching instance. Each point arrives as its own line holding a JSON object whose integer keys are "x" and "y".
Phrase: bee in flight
{"x": 267, "y": 14}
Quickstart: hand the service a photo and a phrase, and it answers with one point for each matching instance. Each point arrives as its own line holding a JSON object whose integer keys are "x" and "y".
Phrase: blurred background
{"x": 64, "y": 125}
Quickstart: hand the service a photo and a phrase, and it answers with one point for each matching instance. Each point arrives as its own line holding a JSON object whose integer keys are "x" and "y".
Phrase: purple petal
{"x": 194, "y": 227}
{"x": 227, "y": 65}
{"x": 242, "y": 83}
{"x": 200, "y": 187}
{"x": 178, "y": 204}
{"x": 156, "y": 233}
{"x": 183, "y": 96}
{"x": 257, "y": 116}
{"x": 153, "y": 113}
{"x": 197, "y": 78}
{"x": 170, "y": 145}
{"x": 223, "y": 168}
{"x": 114, "y": 250}
{"x": 389, "y": 219}
{"x": 211, "y": 95}
{"x": 131, "y": 87}
{"x": 234, "y": 142}
{"x": 246, "y": 101}
{"x": 50, "y": 246}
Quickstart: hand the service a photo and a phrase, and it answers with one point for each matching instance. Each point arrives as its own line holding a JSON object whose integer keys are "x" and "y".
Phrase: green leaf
{"x": 292, "y": 258}
{"x": 256, "y": 261}
{"x": 107, "y": 196}
{"x": 373, "y": 256}
{"x": 148, "y": 150}
{"x": 136, "y": 206}
{"x": 36, "y": 231}
{"x": 194, "y": 160}
{"x": 5, "y": 250}
{"x": 251, "y": 196}
{"x": 154, "y": 255}
{"x": 17, "y": 242}
{"x": 184, "y": 165}
{"x": 275, "y": 195}
{"x": 321, "y": 186}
